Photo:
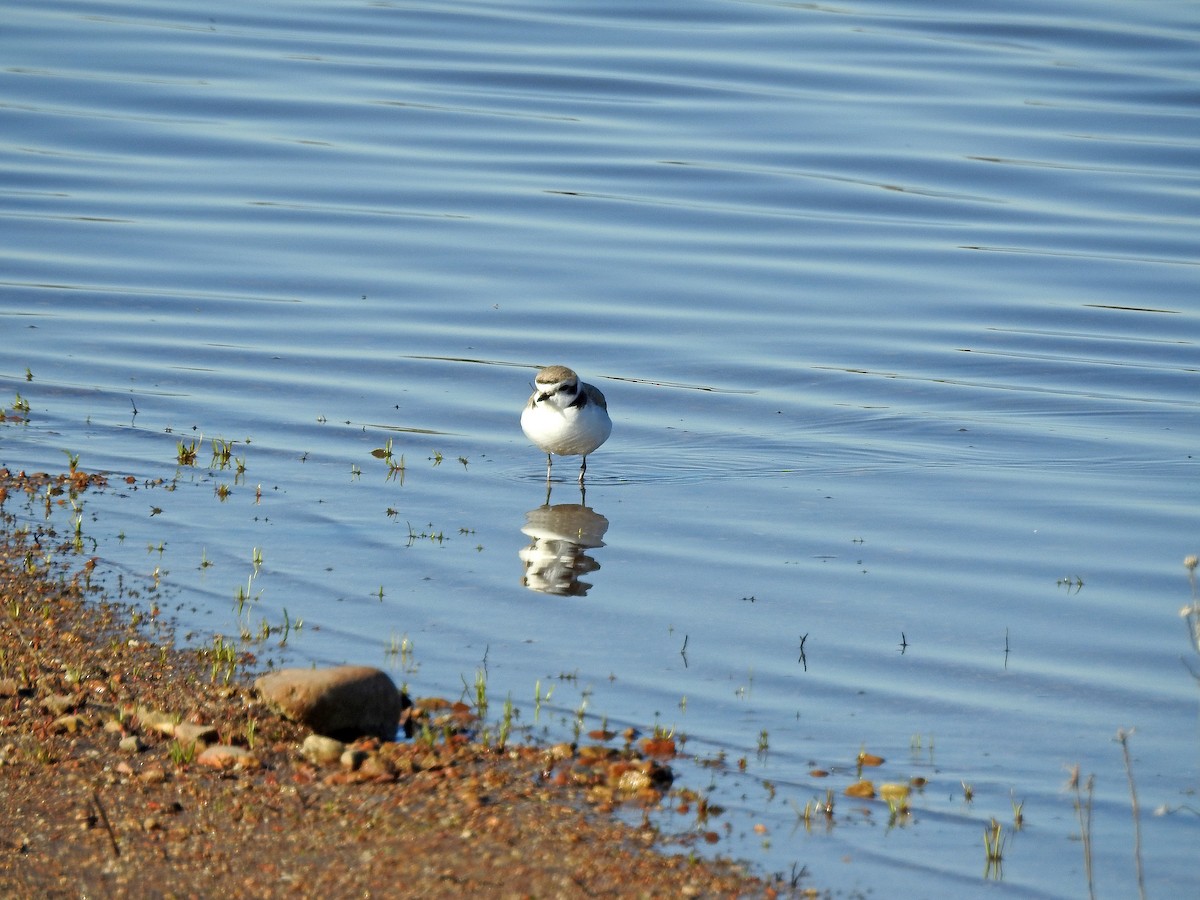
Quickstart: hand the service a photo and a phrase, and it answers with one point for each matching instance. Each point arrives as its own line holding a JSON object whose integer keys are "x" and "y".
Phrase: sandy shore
{"x": 102, "y": 796}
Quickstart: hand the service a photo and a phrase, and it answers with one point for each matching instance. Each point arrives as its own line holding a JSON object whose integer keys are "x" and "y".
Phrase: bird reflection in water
{"x": 557, "y": 557}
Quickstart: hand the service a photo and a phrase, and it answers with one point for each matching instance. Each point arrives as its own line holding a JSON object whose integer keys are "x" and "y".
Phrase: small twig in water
{"x": 1123, "y": 739}
{"x": 1084, "y": 812}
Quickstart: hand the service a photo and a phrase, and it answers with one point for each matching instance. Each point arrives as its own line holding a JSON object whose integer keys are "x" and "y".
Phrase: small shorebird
{"x": 565, "y": 416}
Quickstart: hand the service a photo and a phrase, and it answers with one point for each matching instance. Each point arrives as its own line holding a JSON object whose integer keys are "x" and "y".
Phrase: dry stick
{"x": 1123, "y": 739}
{"x": 107, "y": 826}
{"x": 1085, "y": 825}
{"x": 1087, "y": 840}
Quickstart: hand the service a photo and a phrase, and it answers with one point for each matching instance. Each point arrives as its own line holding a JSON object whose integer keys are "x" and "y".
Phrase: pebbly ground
{"x": 107, "y": 791}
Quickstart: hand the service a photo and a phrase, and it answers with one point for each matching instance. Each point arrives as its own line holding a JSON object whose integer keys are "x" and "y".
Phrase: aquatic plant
{"x": 1073, "y": 585}
{"x": 539, "y": 698}
{"x": 414, "y": 536}
{"x": 181, "y": 752}
{"x": 1122, "y": 738}
{"x": 577, "y": 724}
{"x": 505, "y": 723}
{"x": 993, "y": 843}
{"x": 481, "y": 697}
{"x": 1191, "y": 612}
{"x": 222, "y": 453}
{"x": 185, "y": 454}
{"x": 243, "y": 595}
{"x": 396, "y": 470}
{"x": 1083, "y": 812}
{"x": 1018, "y": 813}
{"x": 224, "y": 659}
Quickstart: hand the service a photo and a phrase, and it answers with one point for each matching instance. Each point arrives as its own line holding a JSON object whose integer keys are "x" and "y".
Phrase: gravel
{"x": 126, "y": 770}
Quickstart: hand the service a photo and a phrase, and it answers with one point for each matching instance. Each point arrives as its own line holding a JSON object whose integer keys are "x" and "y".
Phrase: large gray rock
{"x": 342, "y": 702}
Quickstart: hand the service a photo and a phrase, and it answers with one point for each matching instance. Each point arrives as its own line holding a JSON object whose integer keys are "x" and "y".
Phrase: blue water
{"x": 895, "y": 306}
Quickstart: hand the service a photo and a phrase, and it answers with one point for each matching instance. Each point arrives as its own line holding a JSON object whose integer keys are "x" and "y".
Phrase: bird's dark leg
{"x": 549, "y": 463}
{"x": 582, "y": 470}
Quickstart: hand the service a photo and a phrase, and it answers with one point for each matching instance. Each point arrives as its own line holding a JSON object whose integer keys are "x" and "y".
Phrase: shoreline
{"x": 100, "y": 795}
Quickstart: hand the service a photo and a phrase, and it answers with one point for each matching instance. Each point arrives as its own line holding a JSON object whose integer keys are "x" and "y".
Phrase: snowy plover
{"x": 565, "y": 416}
